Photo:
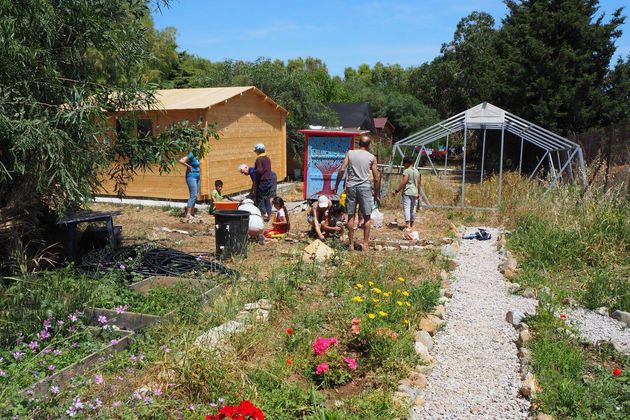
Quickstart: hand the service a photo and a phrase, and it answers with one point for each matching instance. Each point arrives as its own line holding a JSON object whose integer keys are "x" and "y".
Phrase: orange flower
{"x": 290, "y": 331}
{"x": 289, "y": 361}
{"x": 616, "y": 371}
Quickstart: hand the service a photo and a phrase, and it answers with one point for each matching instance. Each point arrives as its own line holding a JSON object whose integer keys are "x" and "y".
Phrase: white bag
{"x": 377, "y": 218}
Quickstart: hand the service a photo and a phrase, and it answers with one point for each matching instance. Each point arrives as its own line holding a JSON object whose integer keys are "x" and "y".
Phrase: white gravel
{"x": 595, "y": 327}
{"x": 477, "y": 370}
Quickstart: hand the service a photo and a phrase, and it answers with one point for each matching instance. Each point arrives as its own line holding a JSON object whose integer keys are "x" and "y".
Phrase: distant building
{"x": 384, "y": 130}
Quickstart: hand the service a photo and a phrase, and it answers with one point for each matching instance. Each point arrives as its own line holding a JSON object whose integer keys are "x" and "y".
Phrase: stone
{"x": 514, "y": 317}
{"x": 508, "y": 264}
{"x": 529, "y": 387}
{"x": 443, "y": 299}
{"x": 510, "y": 274}
{"x": 264, "y": 304}
{"x": 406, "y": 382}
{"x": 545, "y": 291}
{"x": 212, "y": 337}
{"x": 448, "y": 251}
{"x": 513, "y": 287}
{"x": 523, "y": 338}
{"x": 421, "y": 349}
{"x": 419, "y": 401}
{"x": 243, "y": 317}
{"x": 444, "y": 275}
{"x": 425, "y": 369}
{"x": 447, "y": 240}
{"x": 424, "y": 338}
{"x": 389, "y": 248}
{"x": 419, "y": 380}
{"x": 378, "y": 247}
{"x": 262, "y": 315}
{"x": 402, "y": 397}
{"x": 524, "y": 355}
{"x": 621, "y": 316}
{"x": 431, "y": 324}
{"x": 529, "y": 293}
{"x": 411, "y": 392}
{"x": 439, "y": 311}
{"x": 447, "y": 293}
{"x": 543, "y": 416}
{"x": 317, "y": 251}
{"x": 602, "y": 311}
{"x": 522, "y": 326}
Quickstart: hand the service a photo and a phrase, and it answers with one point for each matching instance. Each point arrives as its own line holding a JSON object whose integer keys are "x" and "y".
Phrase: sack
{"x": 377, "y": 218}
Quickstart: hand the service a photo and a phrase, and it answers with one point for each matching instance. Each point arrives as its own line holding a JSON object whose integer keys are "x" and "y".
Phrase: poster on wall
{"x": 324, "y": 158}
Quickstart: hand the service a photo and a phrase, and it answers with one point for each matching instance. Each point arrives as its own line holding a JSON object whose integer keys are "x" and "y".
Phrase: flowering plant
{"x": 245, "y": 410}
{"x": 329, "y": 367}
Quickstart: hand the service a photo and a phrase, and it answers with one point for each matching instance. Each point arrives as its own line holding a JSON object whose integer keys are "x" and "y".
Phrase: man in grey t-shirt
{"x": 360, "y": 163}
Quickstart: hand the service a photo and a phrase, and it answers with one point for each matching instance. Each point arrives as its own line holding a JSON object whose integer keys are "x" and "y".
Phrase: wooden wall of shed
{"x": 242, "y": 122}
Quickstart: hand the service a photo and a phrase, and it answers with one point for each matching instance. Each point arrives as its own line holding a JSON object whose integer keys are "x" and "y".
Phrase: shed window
{"x": 145, "y": 128}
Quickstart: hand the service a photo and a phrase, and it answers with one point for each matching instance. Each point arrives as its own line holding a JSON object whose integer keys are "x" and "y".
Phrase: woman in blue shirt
{"x": 192, "y": 180}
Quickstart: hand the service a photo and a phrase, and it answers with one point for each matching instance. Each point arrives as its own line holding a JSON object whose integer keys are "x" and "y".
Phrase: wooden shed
{"x": 243, "y": 115}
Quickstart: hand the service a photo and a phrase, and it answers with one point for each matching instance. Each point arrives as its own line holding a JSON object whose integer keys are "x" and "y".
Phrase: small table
{"x": 73, "y": 219}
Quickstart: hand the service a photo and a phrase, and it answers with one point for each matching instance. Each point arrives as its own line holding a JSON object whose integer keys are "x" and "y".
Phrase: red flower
{"x": 229, "y": 411}
{"x": 616, "y": 371}
{"x": 563, "y": 316}
{"x": 290, "y": 331}
{"x": 289, "y": 361}
{"x": 214, "y": 417}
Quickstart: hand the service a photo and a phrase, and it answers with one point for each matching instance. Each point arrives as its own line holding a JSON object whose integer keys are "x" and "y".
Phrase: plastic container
{"x": 231, "y": 233}
{"x": 225, "y": 205}
{"x": 377, "y": 218}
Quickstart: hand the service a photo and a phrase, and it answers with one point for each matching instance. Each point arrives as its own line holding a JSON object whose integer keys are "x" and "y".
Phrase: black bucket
{"x": 231, "y": 232}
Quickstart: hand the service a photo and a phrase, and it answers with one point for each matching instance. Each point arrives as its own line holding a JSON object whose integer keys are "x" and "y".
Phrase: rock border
{"x": 410, "y": 390}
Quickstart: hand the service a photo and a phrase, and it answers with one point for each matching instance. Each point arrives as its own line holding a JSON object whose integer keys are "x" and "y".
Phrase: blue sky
{"x": 343, "y": 33}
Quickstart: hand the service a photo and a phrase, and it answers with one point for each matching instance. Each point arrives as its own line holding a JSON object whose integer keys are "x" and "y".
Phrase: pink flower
{"x": 18, "y": 355}
{"x": 72, "y": 317}
{"x": 133, "y": 357}
{"x": 102, "y": 319}
{"x": 47, "y": 350}
{"x": 322, "y": 368}
{"x": 120, "y": 309}
{"x": 98, "y": 379}
{"x": 33, "y": 345}
{"x": 54, "y": 389}
{"x": 563, "y": 316}
{"x": 122, "y": 267}
{"x": 158, "y": 392}
{"x": 322, "y": 344}
{"x": 116, "y": 404}
{"x": 58, "y": 352}
{"x": 2, "y": 373}
{"x": 352, "y": 363}
{"x": 60, "y": 323}
{"x": 43, "y": 334}
{"x": 114, "y": 342}
{"x": 52, "y": 367}
{"x": 46, "y": 324}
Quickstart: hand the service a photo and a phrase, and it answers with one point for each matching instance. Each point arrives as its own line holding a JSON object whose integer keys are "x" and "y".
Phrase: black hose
{"x": 151, "y": 260}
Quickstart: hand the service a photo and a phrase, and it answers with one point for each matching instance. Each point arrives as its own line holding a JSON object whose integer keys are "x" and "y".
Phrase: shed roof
{"x": 381, "y": 122}
{"x": 202, "y": 98}
{"x": 354, "y": 115}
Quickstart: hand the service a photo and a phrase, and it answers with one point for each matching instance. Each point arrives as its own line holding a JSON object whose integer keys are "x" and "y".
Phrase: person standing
{"x": 359, "y": 191}
{"x": 410, "y": 187}
{"x": 264, "y": 181}
{"x": 192, "y": 165}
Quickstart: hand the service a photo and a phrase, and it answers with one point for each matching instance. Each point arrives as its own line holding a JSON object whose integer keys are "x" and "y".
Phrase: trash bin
{"x": 231, "y": 232}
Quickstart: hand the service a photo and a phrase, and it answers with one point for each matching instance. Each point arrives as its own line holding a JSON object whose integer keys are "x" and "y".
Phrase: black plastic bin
{"x": 231, "y": 232}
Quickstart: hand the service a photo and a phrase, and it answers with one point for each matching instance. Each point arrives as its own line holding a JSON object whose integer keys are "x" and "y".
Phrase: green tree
{"x": 54, "y": 106}
{"x": 555, "y": 56}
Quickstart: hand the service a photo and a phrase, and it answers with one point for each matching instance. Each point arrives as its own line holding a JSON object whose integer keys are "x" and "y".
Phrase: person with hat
{"x": 317, "y": 215}
{"x": 264, "y": 181}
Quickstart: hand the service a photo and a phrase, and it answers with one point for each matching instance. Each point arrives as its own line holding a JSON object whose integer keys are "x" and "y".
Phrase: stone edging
{"x": 411, "y": 389}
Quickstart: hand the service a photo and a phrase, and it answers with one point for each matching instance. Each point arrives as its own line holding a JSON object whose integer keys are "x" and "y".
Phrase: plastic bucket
{"x": 231, "y": 232}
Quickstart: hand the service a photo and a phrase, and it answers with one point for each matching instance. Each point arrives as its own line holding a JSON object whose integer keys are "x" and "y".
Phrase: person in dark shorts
{"x": 359, "y": 190}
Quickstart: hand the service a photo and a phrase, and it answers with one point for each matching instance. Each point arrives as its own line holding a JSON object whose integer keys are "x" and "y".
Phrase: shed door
{"x": 324, "y": 158}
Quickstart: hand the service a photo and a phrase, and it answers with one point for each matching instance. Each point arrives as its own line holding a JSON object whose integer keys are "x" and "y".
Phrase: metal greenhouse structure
{"x": 560, "y": 154}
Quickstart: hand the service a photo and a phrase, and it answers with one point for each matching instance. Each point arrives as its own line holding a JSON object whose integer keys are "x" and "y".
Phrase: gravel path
{"x": 476, "y": 372}
{"x": 595, "y": 327}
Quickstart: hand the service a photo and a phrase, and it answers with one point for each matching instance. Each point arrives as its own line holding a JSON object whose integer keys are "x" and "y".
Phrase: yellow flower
{"x": 359, "y": 286}
{"x": 398, "y": 290}
{"x": 405, "y": 321}
{"x": 399, "y": 303}
{"x": 407, "y": 303}
{"x": 400, "y": 279}
{"x": 405, "y": 293}
{"x": 382, "y": 313}
{"x": 376, "y": 290}
{"x": 370, "y": 283}
{"x": 375, "y": 300}
{"x": 371, "y": 316}
{"x": 387, "y": 294}
{"x": 357, "y": 299}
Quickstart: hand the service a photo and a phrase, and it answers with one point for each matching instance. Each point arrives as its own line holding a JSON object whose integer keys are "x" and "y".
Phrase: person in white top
{"x": 360, "y": 164}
